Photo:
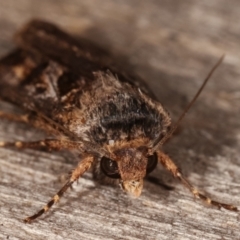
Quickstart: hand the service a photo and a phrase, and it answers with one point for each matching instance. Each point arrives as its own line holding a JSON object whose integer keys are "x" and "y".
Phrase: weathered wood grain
{"x": 172, "y": 45}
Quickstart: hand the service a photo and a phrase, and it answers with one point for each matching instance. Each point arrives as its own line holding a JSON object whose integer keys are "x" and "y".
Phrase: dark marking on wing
{"x": 50, "y": 41}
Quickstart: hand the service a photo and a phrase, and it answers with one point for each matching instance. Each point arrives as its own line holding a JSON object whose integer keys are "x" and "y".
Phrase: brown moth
{"x": 73, "y": 92}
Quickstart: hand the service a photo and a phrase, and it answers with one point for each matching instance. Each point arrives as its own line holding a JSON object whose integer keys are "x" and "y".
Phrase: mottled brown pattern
{"x": 112, "y": 124}
{"x": 66, "y": 91}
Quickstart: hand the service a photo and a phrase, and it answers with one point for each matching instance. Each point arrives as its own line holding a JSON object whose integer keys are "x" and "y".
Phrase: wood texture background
{"x": 172, "y": 45}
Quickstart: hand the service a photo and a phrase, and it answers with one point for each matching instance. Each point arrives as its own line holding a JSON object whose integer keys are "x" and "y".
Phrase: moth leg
{"x": 82, "y": 167}
{"x": 14, "y": 117}
{"x": 34, "y": 120}
{"x": 166, "y": 161}
{"x": 47, "y": 144}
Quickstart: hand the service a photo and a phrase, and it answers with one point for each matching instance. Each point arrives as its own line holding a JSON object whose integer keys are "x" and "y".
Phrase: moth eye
{"x": 152, "y": 163}
{"x": 109, "y": 167}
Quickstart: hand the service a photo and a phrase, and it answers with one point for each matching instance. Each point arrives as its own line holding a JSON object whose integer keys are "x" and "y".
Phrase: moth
{"x": 75, "y": 94}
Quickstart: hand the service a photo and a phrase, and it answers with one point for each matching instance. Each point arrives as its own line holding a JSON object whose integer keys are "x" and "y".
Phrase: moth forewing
{"x": 90, "y": 107}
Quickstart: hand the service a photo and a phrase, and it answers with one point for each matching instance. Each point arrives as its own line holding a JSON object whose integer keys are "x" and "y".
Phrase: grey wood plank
{"x": 172, "y": 45}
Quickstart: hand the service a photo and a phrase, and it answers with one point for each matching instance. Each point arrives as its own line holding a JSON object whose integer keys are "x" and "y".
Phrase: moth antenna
{"x": 175, "y": 126}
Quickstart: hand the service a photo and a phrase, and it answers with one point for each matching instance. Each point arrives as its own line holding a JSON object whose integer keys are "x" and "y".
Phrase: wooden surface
{"x": 172, "y": 45}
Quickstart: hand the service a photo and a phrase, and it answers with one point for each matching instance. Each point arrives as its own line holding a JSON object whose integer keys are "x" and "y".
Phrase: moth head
{"x": 130, "y": 165}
